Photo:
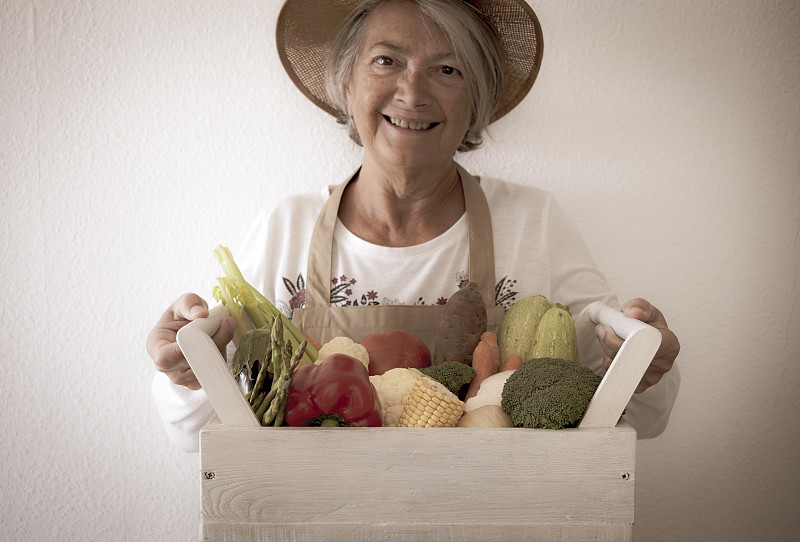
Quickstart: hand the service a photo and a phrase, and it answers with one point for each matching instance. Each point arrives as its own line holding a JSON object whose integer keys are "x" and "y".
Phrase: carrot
{"x": 485, "y": 362}
{"x": 312, "y": 341}
{"x": 513, "y": 362}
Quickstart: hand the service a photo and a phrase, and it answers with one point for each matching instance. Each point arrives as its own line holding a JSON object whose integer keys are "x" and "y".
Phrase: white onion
{"x": 486, "y": 416}
{"x": 490, "y": 392}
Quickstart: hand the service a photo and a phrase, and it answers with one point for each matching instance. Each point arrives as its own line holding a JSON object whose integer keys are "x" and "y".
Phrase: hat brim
{"x": 306, "y": 29}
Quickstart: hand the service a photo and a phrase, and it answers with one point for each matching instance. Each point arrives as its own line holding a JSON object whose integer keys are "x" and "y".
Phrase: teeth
{"x": 410, "y": 125}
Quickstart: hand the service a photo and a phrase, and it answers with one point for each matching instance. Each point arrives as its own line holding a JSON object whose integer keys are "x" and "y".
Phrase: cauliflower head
{"x": 343, "y": 345}
{"x": 393, "y": 387}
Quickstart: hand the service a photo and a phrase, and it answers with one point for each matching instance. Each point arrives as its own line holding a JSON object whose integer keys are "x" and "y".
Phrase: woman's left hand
{"x": 642, "y": 310}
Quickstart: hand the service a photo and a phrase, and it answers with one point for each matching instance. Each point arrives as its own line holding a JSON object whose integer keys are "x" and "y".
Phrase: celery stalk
{"x": 259, "y": 309}
{"x": 225, "y": 292}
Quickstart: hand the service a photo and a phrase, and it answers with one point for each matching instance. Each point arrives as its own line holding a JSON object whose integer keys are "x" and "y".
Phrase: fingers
{"x": 185, "y": 377}
{"x": 643, "y": 310}
{"x": 609, "y": 342}
{"x": 180, "y": 372}
{"x": 664, "y": 358}
{"x": 161, "y": 341}
{"x": 224, "y": 334}
{"x": 188, "y": 307}
{"x": 662, "y": 361}
{"x": 651, "y": 377}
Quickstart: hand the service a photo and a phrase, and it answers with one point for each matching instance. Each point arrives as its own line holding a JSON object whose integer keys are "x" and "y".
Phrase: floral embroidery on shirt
{"x": 503, "y": 293}
{"x": 297, "y": 290}
{"x": 461, "y": 279}
{"x": 343, "y": 293}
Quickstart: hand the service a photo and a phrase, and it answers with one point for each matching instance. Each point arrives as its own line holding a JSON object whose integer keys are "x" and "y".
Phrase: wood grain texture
{"x": 417, "y": 533}
{"x": 212, "y": 371}
{"x": 417, "y": 484}
{"x": 627, "y": 368}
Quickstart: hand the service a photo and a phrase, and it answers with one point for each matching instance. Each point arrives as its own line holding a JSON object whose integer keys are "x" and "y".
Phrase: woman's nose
{"x": 412, "y": 88}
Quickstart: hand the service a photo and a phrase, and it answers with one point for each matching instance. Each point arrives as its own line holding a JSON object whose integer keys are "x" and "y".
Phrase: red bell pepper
{"x": 395, "y": 348}
{"x": 337, "y": 392}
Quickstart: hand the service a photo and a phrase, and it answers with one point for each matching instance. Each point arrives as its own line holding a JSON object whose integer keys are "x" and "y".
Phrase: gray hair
{"x": 471, "y": 35}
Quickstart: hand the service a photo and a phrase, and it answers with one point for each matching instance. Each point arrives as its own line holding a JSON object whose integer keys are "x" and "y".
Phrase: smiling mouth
{"x": 409, "y": 125}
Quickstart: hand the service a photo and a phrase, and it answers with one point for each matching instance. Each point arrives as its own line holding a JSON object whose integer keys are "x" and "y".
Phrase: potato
{"x": 461, "y": 325}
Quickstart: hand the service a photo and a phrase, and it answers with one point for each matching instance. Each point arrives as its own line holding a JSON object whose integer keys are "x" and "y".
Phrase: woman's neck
{"x": 402, "y": 207}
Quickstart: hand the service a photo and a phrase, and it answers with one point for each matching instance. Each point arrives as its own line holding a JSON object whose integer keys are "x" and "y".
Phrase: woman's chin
{"x": 410, "y": 155}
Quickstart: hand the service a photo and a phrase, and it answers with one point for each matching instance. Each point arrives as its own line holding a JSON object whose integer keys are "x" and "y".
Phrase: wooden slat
{"x": 399, "y": 483}
{"x": 356, "y": 532}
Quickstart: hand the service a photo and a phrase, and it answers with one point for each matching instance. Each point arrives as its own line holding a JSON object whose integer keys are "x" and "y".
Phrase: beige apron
{"x": 324, "y": 322}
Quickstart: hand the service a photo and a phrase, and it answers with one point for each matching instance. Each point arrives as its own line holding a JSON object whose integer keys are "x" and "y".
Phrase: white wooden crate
{"x": 401, "y": 484}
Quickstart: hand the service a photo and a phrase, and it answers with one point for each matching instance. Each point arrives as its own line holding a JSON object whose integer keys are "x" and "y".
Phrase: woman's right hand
{"x": 164, "y": 350}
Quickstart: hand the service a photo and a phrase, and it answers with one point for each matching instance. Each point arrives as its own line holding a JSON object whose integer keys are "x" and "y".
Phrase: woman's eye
{"x": 384, "y": 61}
{"x": 449, "y": 70}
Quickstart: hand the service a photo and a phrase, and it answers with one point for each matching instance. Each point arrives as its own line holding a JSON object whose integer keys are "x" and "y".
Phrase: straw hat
{"x": 306, "y": 29}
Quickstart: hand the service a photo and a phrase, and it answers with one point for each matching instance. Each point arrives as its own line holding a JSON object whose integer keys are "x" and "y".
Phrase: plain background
{"x": 136, "y": 136}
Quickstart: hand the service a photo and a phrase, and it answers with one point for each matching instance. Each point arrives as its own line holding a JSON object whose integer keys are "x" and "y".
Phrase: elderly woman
{"x": 415, "y": 81}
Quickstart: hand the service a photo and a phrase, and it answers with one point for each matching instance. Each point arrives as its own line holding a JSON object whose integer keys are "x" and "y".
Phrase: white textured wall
{"x": 136, "y": 136}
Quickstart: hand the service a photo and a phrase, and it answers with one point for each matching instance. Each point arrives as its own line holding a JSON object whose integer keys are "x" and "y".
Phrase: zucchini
{"x": 555, "y": 336}
{"x": 519, "y": 326}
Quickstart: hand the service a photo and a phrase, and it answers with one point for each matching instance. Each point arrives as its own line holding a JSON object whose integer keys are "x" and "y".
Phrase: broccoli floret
{"x": 548, "y": 393}
{"x": 453, "y": 375}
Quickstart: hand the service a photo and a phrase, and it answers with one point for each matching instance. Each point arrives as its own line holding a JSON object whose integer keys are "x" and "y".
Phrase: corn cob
{"x": 430, "y": 404}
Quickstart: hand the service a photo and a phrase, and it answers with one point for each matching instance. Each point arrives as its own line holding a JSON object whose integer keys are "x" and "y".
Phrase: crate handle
{"x": 627, "y": 368}
{"x": 211, "y": 370}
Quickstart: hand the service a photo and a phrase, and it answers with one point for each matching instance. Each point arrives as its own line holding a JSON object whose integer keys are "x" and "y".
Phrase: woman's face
{"x": 406, "y": 92}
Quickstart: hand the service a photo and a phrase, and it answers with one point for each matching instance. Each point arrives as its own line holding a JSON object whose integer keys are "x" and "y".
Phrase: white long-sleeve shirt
{"x": 538, "y": 251}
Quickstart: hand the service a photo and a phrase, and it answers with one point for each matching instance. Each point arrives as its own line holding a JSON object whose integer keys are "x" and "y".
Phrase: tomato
{"x": 395, "y": 348}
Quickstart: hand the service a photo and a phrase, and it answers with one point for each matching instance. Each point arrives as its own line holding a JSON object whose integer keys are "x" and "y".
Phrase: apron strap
{"x": 481, "y": 243}
{"x": 481, "y": 240}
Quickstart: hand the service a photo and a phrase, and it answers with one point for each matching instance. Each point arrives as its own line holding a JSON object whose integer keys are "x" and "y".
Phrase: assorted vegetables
{"x": 240, "y": 298}
{"x": 527, "y": 375}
